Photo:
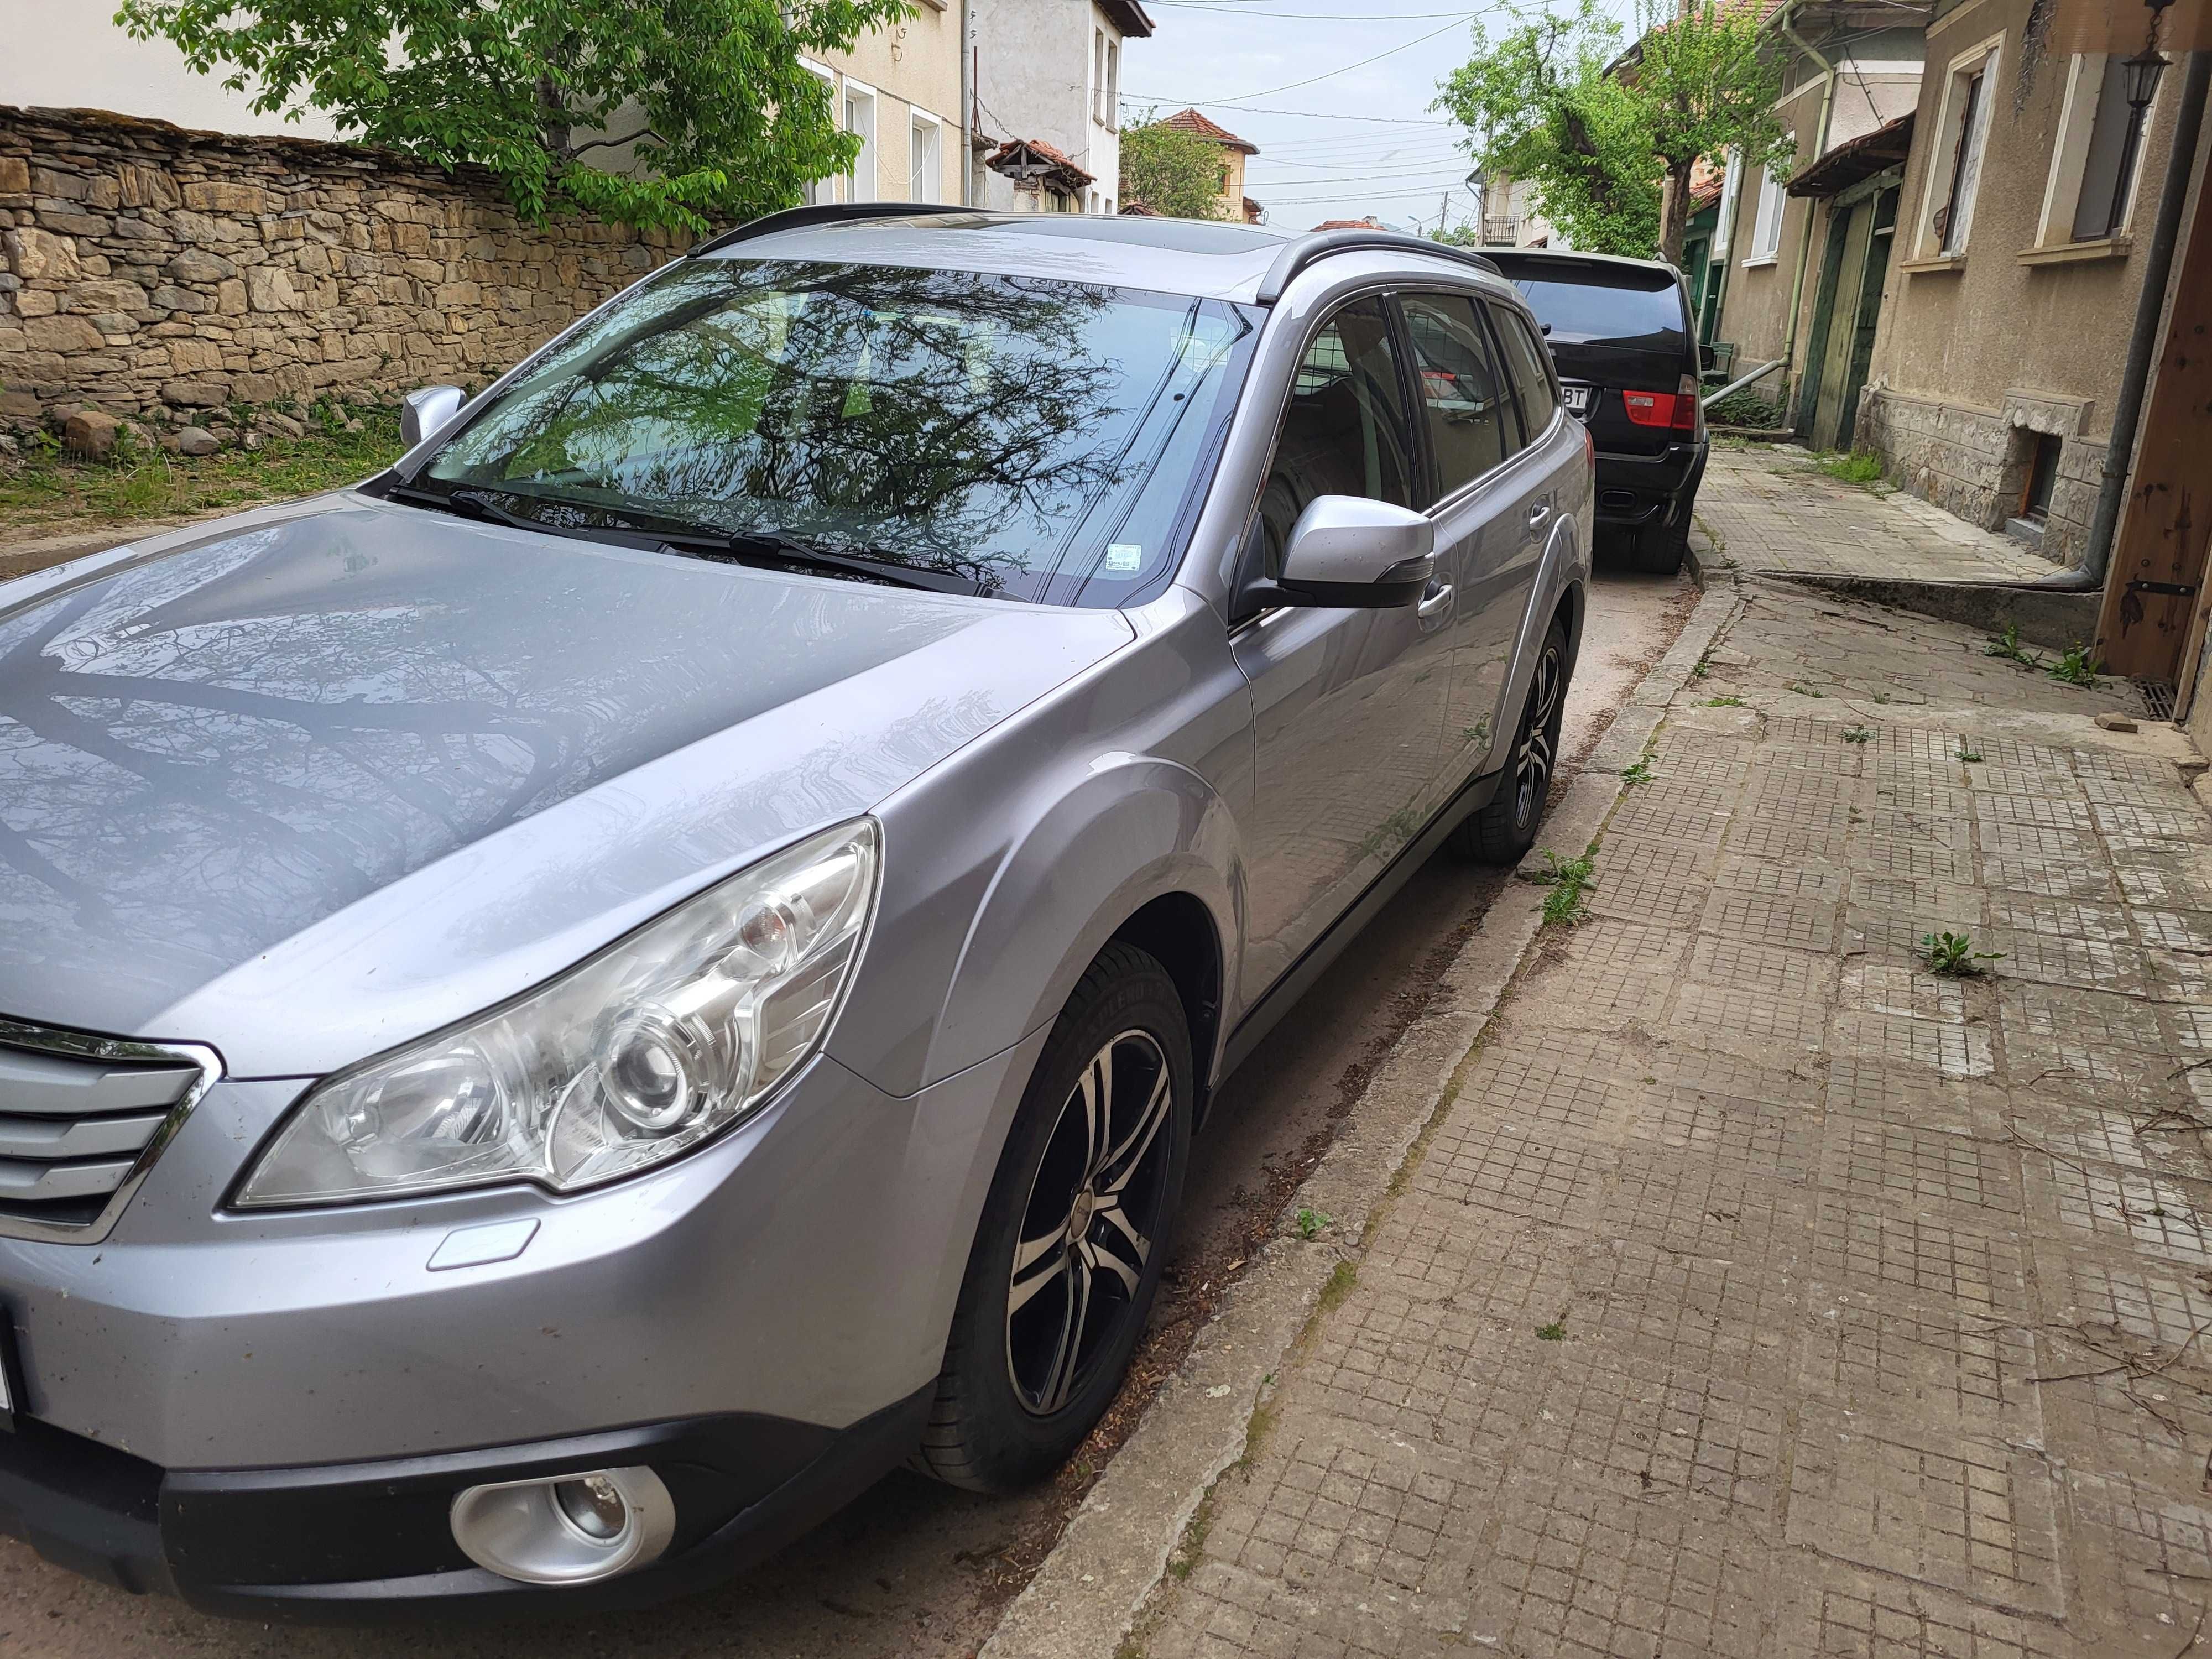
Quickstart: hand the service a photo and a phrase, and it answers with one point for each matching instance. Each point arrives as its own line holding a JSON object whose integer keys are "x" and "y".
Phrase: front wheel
{"x": 1073, "y": 1236}
{"x": 1503, "y": 831}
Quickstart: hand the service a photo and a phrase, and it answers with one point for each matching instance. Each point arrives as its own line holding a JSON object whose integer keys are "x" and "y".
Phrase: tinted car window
{"x": 1465, "y": 399}
{"x": 1596, "y": 303}
{"x": 1036, "y": 436}
{"x": 1345, "y": 432}
{"x": 1527, "y": 363}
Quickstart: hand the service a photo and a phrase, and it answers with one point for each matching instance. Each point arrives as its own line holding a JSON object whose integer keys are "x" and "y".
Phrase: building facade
{"x": 900, "y": 89}
{"x": 1046, "y": 104}
{"x": 1229, "y": 200}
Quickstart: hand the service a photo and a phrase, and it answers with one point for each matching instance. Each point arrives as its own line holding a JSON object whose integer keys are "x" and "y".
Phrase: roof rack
{"x": 823, "y": 213}
{"x": 1297, "y": 255}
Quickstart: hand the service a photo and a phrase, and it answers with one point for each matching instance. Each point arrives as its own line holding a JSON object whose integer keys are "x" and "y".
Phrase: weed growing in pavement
{"x": 1332, "y": 1297}
{"x": 1953, "y": 956}
{"x": 1721, "y": 702}
{"x": 1805, "y": 691}
{"x": 1311, "y": 1222}
{"x": 1881, "y": 697}
{"x": 1639, "y": 773}
{"x": 2007, "y": 646}
{"x": 1704, "y": 665}
{"x": 1861, "y": 466}
{"x": 1554, "y": 1332}
{"x": 2076, "y": 667}
{"x": 1569, "y": 880}
{"x": 1859, "y": 734}
{"x": 1969, "y": 752}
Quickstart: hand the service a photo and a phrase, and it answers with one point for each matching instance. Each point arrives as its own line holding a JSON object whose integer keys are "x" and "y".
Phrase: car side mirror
{"x": 422, "y": 413}
{"x": 1347, "y": 551}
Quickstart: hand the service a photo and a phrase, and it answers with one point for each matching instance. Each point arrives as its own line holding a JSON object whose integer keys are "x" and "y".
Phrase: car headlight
{"x": 659, "y": 1041}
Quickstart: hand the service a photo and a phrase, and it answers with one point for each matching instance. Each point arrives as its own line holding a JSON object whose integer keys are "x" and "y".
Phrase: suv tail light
{"x": 1676, "y": 411}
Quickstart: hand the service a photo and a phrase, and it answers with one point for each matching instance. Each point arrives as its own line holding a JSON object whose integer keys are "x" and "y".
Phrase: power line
{"x": 1310, "y": 114}
{"x": 1330, "y": 74}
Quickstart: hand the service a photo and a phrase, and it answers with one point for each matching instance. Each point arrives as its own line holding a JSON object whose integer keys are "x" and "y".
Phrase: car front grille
{"x": 82, "y": 1120}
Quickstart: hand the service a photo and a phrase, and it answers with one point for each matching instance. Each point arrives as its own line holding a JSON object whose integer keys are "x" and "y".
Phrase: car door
{"x": 1492, "y": 511}
{"x": 1348, "y": 706}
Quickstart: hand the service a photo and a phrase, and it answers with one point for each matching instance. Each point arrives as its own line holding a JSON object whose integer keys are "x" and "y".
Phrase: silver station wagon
{"x": 566, "y": 1009}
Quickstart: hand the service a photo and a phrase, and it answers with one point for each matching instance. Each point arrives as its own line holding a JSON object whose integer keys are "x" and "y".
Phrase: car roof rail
{"x": 823, "y": 213}
{"x": 1320, "y": 244}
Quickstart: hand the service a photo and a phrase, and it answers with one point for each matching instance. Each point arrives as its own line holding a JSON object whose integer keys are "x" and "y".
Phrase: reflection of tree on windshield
{"x": 965, "y": 422}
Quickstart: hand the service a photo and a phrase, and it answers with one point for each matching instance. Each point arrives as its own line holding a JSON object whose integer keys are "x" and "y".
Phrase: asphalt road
{"x": 913, "y": 1568}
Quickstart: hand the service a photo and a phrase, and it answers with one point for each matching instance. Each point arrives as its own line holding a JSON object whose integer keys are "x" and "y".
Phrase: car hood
{"x": 315, "y": 781}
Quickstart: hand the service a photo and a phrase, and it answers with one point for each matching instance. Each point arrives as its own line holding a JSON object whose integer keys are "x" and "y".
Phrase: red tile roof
{"x": 1063, "y": 172}
{"x": 1190, "y": 120}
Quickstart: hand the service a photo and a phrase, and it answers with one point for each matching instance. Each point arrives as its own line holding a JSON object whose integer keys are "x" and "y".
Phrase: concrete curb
{"x": 1087, "y": 1595}
{"x": 2045, "y": 616}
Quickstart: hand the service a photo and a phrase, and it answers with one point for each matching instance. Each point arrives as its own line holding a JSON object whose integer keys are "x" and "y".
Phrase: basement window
{"x": 2042, "y": 477}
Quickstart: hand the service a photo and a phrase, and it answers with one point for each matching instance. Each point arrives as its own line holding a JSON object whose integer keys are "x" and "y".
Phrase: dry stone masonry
{"x": 155, "y": 274}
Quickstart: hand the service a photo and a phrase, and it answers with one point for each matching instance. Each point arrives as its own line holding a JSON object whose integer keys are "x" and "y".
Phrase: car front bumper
{"x": 272, "y": 1413}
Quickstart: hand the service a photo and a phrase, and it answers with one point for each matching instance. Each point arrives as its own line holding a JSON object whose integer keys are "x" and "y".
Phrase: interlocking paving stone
{"x": 1760, "y": 1292}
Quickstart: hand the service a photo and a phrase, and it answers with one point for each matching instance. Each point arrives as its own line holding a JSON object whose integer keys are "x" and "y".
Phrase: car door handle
{"x": 1539, "y": 515}
{"x": 1433, "y": 606}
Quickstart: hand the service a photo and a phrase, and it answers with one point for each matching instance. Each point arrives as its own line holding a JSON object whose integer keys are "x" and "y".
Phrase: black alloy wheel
{"x": 1504, "y": 831}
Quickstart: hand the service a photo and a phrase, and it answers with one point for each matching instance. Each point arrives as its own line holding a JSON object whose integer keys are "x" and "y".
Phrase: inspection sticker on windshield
{"x": 1122, "y": 557}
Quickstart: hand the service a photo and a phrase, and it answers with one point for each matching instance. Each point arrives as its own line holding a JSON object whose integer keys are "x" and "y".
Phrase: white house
{"x": 1046, "y": 88}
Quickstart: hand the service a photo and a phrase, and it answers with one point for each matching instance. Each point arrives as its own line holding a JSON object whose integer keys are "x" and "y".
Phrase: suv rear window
{"x": 1599, "y": 304}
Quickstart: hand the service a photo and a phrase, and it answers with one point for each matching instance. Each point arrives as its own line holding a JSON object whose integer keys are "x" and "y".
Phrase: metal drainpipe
{"x": 2143, "y": 343}
{"x": 1788, "y": 29}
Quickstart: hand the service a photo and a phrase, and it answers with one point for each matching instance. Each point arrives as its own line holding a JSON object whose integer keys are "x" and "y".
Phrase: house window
{"x": 1724, "y": 226}
{"x": 1098, "y": 76}
{"x": 2098, "y": 157}
{"x": 1766, "y": 228}
{"x": 1112, "y": 121}
{"x": 860, "y": 118}
{"x": 821, "y": 190}
{"x": 1957, "y": 160}
{"x": 926, "y": 167}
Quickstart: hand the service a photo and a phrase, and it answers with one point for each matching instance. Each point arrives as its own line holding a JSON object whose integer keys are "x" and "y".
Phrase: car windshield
{"x": 1601, "y": 305}
{"x": 1040, "y": 438}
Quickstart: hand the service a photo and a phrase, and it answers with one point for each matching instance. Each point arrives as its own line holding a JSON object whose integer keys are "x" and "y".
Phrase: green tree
{"x": 1609, "y": 138}
{"x": 1171, "y": 171}
{"x": 709, "y": 96}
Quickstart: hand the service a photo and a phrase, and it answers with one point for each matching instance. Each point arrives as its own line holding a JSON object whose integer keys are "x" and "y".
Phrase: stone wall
{"x": 157, "y": 273}
{"x": 1973, "y": 462}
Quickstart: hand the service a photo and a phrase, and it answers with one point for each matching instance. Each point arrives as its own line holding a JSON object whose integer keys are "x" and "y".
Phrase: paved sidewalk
{"x": 1757, "y": 1292}
{"x": 1775, "y": 510}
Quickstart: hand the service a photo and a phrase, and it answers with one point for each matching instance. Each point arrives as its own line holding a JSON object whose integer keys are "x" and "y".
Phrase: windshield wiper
{"x": 772, "y": 547}
{"x": 466, "y": 504}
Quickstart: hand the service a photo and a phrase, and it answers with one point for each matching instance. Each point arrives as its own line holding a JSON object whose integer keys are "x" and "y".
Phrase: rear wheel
{"x": 1073, "y": 1236}
{"x": 1503, "y": 831}
{"x": 1660, "y": 547}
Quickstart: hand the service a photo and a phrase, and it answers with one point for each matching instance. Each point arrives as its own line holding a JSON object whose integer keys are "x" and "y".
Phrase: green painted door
{"x": 1872, "y": 280}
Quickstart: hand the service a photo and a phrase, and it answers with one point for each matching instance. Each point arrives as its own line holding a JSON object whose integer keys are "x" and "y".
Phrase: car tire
{"x": 1504, "y": 831}
{"x": 1075, "y": 1220}
{"x": 1661, "y": 546}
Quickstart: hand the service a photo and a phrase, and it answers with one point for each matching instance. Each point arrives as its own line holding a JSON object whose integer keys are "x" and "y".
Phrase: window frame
{"x": 814, "y": 190}
{"x": 859, "y": 92}
{"x": 1963, "y": 116}
{"x": 2071, "y": 151}
{"x": 919, "y": 121}
{"x": 1764, "y": 251}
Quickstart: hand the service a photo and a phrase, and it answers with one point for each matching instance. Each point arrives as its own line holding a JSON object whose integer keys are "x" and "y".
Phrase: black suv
{"x": 1619, "y": 331}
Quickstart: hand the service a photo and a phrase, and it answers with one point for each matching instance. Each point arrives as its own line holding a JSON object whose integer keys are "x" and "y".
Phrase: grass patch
{"x": 1744, "y": 409}
{"x": 1569, "y": 880}
{"x": 1554, "y": 1332}
{"x": 1953, "y": 956}
{"x": 1311, "y": 1222}
{"x": 1861, "y": 466}
{"x": 1721, "y": 702}
{"x": 2076, "y": 667}
{"x": 1805, "y": 691}
{"x": 1340, "y": 1281}
{"x": 44, "y": 487}
{"x": 2006, "y": 645}
{"x": 1859, "y": 734}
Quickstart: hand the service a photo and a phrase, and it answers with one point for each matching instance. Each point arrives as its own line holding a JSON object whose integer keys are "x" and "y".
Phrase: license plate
{"x": 1578, "y": 399}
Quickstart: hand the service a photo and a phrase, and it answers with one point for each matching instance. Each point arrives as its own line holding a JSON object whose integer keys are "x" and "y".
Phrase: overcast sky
{"x": 1364, "y": 140}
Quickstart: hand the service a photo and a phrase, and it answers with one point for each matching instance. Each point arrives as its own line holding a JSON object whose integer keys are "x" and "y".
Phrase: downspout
{"x": 967, "y": 106}
{"x": 1788, "y": 29}
{"x": 2143, "y": 343}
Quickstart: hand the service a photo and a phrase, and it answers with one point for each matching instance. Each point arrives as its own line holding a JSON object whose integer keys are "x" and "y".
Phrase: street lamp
{"x": 2139, "y": 75}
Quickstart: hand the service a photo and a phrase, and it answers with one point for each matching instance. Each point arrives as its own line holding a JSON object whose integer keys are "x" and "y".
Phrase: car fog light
{"x": 569, "y": 1529}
